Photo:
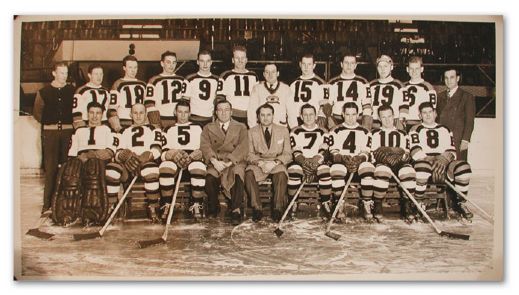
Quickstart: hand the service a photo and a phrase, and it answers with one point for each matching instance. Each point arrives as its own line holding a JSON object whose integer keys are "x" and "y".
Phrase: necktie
{"x": 267, "y": 137}
{"x": 223, "y": 129}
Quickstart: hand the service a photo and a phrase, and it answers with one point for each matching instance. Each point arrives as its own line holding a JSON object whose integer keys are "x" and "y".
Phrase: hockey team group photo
{"x": 258, "y": 149}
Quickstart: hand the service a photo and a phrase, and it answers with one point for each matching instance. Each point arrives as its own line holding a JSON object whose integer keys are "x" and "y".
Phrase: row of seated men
{"x": 225, "y": 155}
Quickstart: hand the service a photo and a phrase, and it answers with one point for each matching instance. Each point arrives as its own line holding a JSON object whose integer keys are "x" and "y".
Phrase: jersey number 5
{"x": 183, "y": 135}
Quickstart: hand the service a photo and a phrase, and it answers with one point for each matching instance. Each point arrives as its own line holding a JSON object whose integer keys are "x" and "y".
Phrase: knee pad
{"x": 338, "y": 171}
{"x": 115, "y": 172}
{"x": 407, "y": 173}
{"x": 383, "y": 172}
{"x": 150, "y": 171}
{"x": 458, "y": 169}
{"x": 295, "y": 171}
{"x": 366, "y": 169}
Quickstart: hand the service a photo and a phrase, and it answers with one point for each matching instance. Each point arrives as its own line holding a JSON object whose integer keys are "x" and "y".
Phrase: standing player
{"x": 238, "y": 84}
{"x": 350, "y": 146}
{"x": 164, "y": 91}
{"x": 388, "y": 90}
{"x": 416, "y": 91}
{"x": 309, "y": 149}
{"x": 312, "y": 89}
{"x": 139, "y": 148}
{"x": 80, "y": 191}
{"x": 349, "y": 87}
{"x": 201, "y": 90}
{"x": 125, "y": 92}
{"x": 182, "y": 149}
{"x": 432, "y": 149}
{"x": 391, "y": 152}
{"x": 91, "y": 91}
{"x": 275, "y": 93}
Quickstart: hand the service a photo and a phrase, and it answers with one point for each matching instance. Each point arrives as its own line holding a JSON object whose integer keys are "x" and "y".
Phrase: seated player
{"x": 181, "y": 149}
{"x": 391, "y": 152}
{"x": 80, "y": 190}
{"x": 269, "y": 153}
{"x": 432, "y": 149}
{"x": 350, "y": 146}
{"x": 309, "y": 149}
{"x": 139, "y": 149}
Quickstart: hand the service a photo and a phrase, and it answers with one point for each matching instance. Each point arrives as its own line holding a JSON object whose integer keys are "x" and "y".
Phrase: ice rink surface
{"x": 252, "y": 251}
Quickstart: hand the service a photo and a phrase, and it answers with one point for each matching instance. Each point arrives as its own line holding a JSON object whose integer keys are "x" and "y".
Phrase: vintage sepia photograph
{"x": 294, "y": 148}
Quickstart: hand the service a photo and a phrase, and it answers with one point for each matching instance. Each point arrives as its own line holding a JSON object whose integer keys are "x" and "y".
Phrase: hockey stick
{"x": 464, "y": 196}
{"x": 99, "y": 234}
{"x": 328, "y": 233}
{"x": 278, "y": 230}
{"x": 438, "y": 231}
{"x": 36, "y": 232}
{"x": 162, "y": 240}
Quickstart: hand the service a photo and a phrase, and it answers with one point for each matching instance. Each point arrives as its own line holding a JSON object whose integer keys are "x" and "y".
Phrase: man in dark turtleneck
{"x": 53, "y": 109}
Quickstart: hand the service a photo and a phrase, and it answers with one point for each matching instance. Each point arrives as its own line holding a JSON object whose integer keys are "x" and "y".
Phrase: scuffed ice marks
{"x": 207, "y": 248}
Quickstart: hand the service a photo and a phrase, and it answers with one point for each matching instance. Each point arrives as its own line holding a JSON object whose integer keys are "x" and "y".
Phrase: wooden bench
{"x": 308, "y": 200}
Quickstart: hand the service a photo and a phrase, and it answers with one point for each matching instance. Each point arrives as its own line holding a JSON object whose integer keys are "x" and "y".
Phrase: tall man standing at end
{"x": 53, "y": 109}
{"x": 456, "y": 110}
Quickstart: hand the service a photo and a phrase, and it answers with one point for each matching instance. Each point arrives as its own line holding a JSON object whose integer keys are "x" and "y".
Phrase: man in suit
{"x": 269, "y": 153}
{"x": 456, "y": 109}
{"x": 224, "y": 145}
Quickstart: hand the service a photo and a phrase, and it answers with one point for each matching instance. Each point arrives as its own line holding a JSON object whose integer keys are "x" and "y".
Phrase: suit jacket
{"x": 233, "y": 146}
{"x": 457, "y": 113}
{"x": 280, "y": 149}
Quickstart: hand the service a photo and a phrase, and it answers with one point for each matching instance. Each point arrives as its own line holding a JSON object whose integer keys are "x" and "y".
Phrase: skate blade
{"x": 333, "y": 235}
{"x": 36, "y": 232}
{"x": 149, "y": 243}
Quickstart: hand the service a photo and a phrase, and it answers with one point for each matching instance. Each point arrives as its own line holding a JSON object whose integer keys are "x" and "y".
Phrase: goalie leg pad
{"x": 407, "y": 175}
{"x": 459, "y": 172}
{"x": 366, "y": 173}
{"x": 423, "y": 172}
{"x": 381, "y": 181}
{"x": 66, "y": 202}
{"x": 338, "y": 174}
{"x": 295, "y": 176}
{"x": 198, "y": 171}
{"x": 95, "y": 204}
{"x": 325, "y": 180}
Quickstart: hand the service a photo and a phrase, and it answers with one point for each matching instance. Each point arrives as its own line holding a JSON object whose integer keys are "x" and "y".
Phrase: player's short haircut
{"x": 384, "y": 107}
{"x": 264, "y": 106}
{"x": 59, "y": 64}
{"x": 183, "y": 103}
{"x": 219, "y": 99}
{"x": 308, "y": 106}
{"x": 424, "y": 105}
{"x": 129, "y": 58}
{"x": 452, "y": 69}
{"x": 139, "y": 103}
{"x": 167, "y": 53}
{"x": 239, "y": 48}
{"x": 350, "y": 105}
{"x": 93, "y": 66}
{"x": 271, "y": 63}
{"x": 415, "y": 59}
{"x": 349, "y": 53}
{"x": 95, "y": 104}
{"x": 204, "y": 52}
{"x": 308, "y": 55}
